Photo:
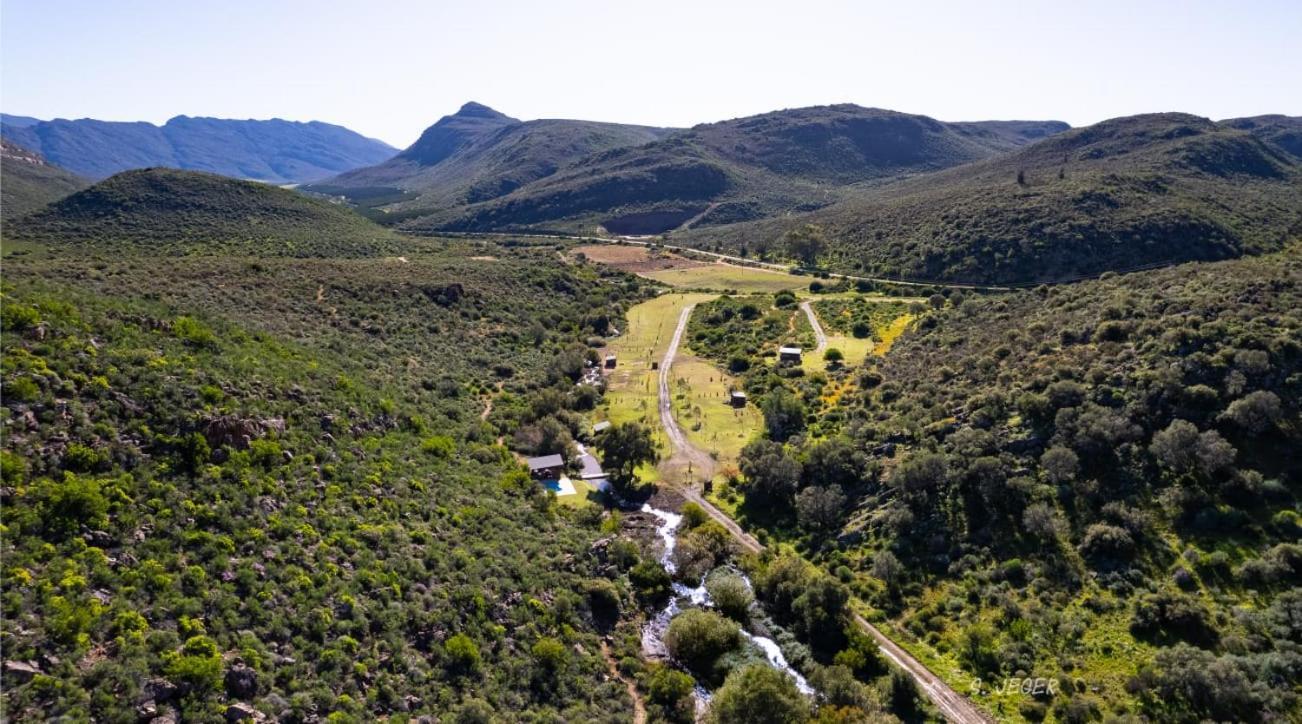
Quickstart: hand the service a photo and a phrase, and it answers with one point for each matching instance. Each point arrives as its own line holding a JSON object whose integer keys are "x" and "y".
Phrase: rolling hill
{"x": 747, "y": 168}
{"x": 1127, "y": 192}
{"x": 172, "y": 212}
{"x": 28, "y": 181}
{"x": 478, "y": 154}
{"x": 275, "y": 151}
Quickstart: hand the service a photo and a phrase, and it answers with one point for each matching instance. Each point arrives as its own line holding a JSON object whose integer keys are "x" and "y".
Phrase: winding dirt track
{"x": 952, "y": 705}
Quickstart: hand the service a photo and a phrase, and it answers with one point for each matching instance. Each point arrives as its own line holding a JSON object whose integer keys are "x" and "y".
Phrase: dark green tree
{"x": 624, "y": 447}
{"x": 805, "y": 244}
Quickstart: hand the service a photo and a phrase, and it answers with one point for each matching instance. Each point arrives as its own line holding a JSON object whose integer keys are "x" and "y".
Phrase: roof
{"x": 546, "y": 461}
{"x": 788, "y": 350}
{"x": 603, "y": 425}
{"x": 610, "y": 356}
{"x": 738, "y": 393}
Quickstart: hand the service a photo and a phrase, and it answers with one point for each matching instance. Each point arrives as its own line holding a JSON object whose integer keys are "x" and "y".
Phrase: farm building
{"x": 547, "y": 467}
{"x": 788, "y": 354}
{"x": 610, "y": 361}
{"x": 601, "y": 427}
{"x": 737, "y": 398}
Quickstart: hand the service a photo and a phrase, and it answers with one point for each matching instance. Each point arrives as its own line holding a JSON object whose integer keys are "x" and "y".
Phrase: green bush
{"x": 697, "y": 638}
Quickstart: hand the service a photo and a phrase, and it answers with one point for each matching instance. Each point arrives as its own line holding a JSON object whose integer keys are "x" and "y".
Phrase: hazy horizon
{"x": 391, "y": 72}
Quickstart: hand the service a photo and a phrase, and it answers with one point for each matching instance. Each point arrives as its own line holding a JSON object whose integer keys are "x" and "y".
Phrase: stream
{"x": 653, "y": 634}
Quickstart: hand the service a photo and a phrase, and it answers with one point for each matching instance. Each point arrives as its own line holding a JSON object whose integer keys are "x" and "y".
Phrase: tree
{"x": 784, "y": 414}
{"x": 820, "y": 508}
{"x": 1182, "y": 449}
{"x": 1040, "y": 521}
{"x": 833, "y": 356}
{"x": 888, "y": 568}
{"x": 835, "y": 461}
{"x": 624, "y": 447}
{"x": 805, "y": 244}
{"x": 1255, "y": 412}
{"x": 920, "y": 474}
{"x": 1175, "y": 447}
{"x": 651, "y": 581}
{"x": 671, "y": 690}
{"x": 1060, "y": 464}
{"x": 697, "y": 638}
{"x": 771, "y": 475}
{"x": 820, "y": 612}
{"x": 731, "y": 595}
{"x": 758, "y": 694}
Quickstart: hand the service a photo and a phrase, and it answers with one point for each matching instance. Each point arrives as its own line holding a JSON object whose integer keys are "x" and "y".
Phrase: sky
{"x": 390, "y": 68}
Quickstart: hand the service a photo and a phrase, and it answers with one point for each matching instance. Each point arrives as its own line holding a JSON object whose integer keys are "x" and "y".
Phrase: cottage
{"x": 547, "y": 467}
{"x": 601, "y": 427}
{"x": 788, "y": 354}
{"x": 610, "y": 361}
{"x": 737, "y": 398}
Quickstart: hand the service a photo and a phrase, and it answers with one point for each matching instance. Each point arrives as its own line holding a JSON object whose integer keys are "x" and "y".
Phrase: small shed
{"x": 788, "y": 354}
{"x": 546, "y": 467}
{"x": 601, "y": 427}
{"x": 610, "y": 361}
{"x": 737, "y": 398}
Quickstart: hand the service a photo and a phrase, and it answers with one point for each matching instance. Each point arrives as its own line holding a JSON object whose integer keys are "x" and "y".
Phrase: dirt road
{"x": 818, "y": 328}
{"x": 954, "y": 706}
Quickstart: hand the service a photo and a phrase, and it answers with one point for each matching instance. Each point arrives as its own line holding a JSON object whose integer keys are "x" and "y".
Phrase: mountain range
{"x": 479, "y": 154}
{"x": 1127, "y": 192}
{"x": 479, "y": 169}
{"x": 274, "y": 151}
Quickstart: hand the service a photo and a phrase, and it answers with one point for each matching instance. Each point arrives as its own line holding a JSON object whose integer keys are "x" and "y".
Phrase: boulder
{"x": 241, "y": 682}
{"x": 241, "y": 712}
{"x": 20, "y": 671}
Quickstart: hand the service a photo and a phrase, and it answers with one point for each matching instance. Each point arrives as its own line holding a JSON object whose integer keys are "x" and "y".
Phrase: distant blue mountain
{"x": 9, "y": 119}
{"x": 275, "y": 151}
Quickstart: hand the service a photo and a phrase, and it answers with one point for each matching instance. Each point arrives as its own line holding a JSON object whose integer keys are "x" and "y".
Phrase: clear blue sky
{"x": 390, "y": 68}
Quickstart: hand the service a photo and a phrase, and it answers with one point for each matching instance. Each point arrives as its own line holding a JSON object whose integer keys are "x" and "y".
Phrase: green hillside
{"x": 1121, "y": 194}
{"x": 475, "y": 155}
{"x": 737, "y": 170}
{"x": 169, "y": 212}
{"x": 1094, "y": 483}
{"x": 271, "y": 484}
{"x": 29, "y": 182}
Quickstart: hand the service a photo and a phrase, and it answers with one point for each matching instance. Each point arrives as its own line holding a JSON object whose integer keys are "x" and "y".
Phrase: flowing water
{"x": 654, "y": 633}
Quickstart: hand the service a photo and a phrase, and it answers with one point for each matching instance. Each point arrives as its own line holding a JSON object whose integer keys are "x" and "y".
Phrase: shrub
{"x": 194, "y": 332}
{"x": 1104, "y": 542}
{"x": 671, "y": 690}
{"x": 439, "y": 446}
{"x": 462, "y": 653}
{"x": 650, "y": 581}
{"x": 1166, "y": 615}
{"x": 731, "y": 595}
{"x": 697, "y": 638}
{"x": 1255, "y": 412}
{"x": 694, "y": 515}
{"x": 198, "y": 665}
{"x": 71, "y": 503}
{"x": 758, "y": 694}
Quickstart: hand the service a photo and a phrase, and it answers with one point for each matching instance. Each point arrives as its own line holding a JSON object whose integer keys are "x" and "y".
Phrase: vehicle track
{"x": 819, "y": 335}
